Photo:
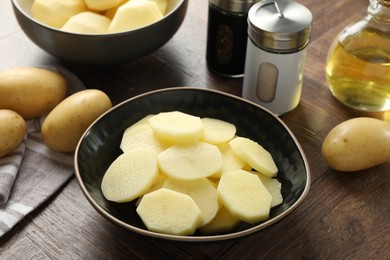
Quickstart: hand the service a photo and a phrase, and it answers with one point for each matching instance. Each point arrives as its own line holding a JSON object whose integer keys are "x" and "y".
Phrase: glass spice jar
{"x": 278, "y": 34}
{"x": 358, "y": 62}
{"x": 227, "y": 36}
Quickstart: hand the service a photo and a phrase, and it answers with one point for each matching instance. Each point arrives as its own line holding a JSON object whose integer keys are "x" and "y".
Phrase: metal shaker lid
{"x": 279, "y": 25}
{"x": 235, "y": 6}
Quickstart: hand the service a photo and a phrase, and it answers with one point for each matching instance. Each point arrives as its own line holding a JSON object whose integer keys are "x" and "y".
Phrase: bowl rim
{"x": 195, "y": 238}
{"x": 30, "y": 18}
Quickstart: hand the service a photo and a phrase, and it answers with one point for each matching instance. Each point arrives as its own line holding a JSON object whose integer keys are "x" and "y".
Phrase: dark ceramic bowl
{"x": 99, "y": 147}
{"x": 101, "y": 49}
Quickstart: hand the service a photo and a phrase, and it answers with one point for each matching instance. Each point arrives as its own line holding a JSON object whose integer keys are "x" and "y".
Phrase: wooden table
{"x": 345, "y": 216}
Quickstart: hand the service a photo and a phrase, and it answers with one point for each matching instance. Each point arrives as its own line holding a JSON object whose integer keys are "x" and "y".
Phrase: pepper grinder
{"x": 227, "y": 36}
{"x": 278, "y": 34}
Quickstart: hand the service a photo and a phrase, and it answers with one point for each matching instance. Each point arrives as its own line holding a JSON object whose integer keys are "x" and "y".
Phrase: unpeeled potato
{"x": 30, "y": 91}
{"x": 12, "y": 131}
{"x": 66, "y": 123}
{"x": 357, "y": 144}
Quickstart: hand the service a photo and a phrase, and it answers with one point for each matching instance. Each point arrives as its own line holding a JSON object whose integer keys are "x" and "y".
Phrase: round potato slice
{"x": 244, "y": 195}
{"x": 255, "y": 155}
{"x": 190, "y": 162}
{"x": 141, "y": 136}
{"x": 176, "y": 127}
{"x": 224, "y": 221}
{"x": 169, "y": 212}
{"x": 131, "y": 175}
{"x": 217, "y": 131}
{"x": 202, "y": 191}
{"x": 230, "y": 161}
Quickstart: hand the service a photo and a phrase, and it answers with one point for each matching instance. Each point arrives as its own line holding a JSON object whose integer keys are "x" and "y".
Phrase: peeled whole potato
{"x": 12, "y": 131}
{"x": 66, "y": 123}
{"x": 133, "y": 15}
{"x": 56, "y": 12}
{"x": 357, "y": 144}
{"x": 87, "y": 22}
{"x": 102, "y": 5}
{"x": 31, "y": 92}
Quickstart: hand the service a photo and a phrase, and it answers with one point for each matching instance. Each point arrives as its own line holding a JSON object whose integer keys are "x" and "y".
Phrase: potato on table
{"x": 30, "y": 91}
{"x": 357, "y": 144}
{"x": 12, "y": 131}
{"x": 67, "y": 122}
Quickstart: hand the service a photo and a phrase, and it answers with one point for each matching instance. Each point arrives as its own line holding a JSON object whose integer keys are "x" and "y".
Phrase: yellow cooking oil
{"x": 358, "y": 70}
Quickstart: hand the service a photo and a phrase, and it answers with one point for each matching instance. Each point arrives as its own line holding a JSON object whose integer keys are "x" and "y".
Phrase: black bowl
{"x": 99, "y": 147}
{"x": 101, "y": 49}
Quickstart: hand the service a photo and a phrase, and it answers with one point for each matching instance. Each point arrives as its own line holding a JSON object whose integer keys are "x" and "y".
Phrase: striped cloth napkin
{"x": 32, "y": 172}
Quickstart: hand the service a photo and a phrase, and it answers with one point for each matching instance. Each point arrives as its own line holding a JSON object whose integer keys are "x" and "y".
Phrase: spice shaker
{"x": 358, "y": 63}
{"x": 227, "y": 36}
{"x": 278, "y": 34}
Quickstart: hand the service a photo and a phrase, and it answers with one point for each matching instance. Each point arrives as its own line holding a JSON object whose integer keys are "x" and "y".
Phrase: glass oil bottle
{"x": 358, "y": 63}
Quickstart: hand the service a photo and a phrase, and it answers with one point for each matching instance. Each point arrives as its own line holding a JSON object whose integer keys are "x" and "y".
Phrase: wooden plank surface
{"x": 345, "y": 216}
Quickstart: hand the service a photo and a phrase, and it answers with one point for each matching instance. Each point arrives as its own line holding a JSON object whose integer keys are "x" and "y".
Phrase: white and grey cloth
{"x": 32, "y": 173}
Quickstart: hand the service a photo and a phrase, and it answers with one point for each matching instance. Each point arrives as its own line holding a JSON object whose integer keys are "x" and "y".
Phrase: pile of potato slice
{"x": 188, "y": 173}
{"x": 98, "y": 17}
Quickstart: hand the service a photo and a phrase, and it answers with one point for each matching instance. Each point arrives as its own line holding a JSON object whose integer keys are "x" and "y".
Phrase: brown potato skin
{"x": 30, "y": 91}
{"x": 357, "y": 144}
{"x": 12, "y": 131}
{"x": 66, "y": 123}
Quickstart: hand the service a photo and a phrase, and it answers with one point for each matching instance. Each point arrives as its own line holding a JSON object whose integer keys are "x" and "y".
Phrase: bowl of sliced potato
{"x": 100, "y": 32}
{"x": 191, "y": 164}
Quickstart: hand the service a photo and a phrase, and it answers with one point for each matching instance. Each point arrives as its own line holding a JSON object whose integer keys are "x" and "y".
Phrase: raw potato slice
{"x": 202, "y": 191}
{"x": 245, "y": 196}
{"x": 230, "y": 161}
{"x": 135, "y": 14}
{"x": 56, "y": 12}
{"x": 158, "y": 184}
{"x": 274, "y": 188}
{"x": 141, "y": 136}
{"x": 224, "y": 221}
{"x": 254, "y": 155}
{"x": 101, "y": 5}
{"x": 217, "y": 131}
{"x": 169, "y": 212}
{"x": 87, "y": 22}
{"x": 177, "y": 127}
{"x": 130, "y": 176}
{"x": 190, "y": 162}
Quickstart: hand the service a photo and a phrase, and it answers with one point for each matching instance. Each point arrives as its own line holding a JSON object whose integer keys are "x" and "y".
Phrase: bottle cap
{"x": 279, "y": 26}
{"x": 235, "y": 6}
